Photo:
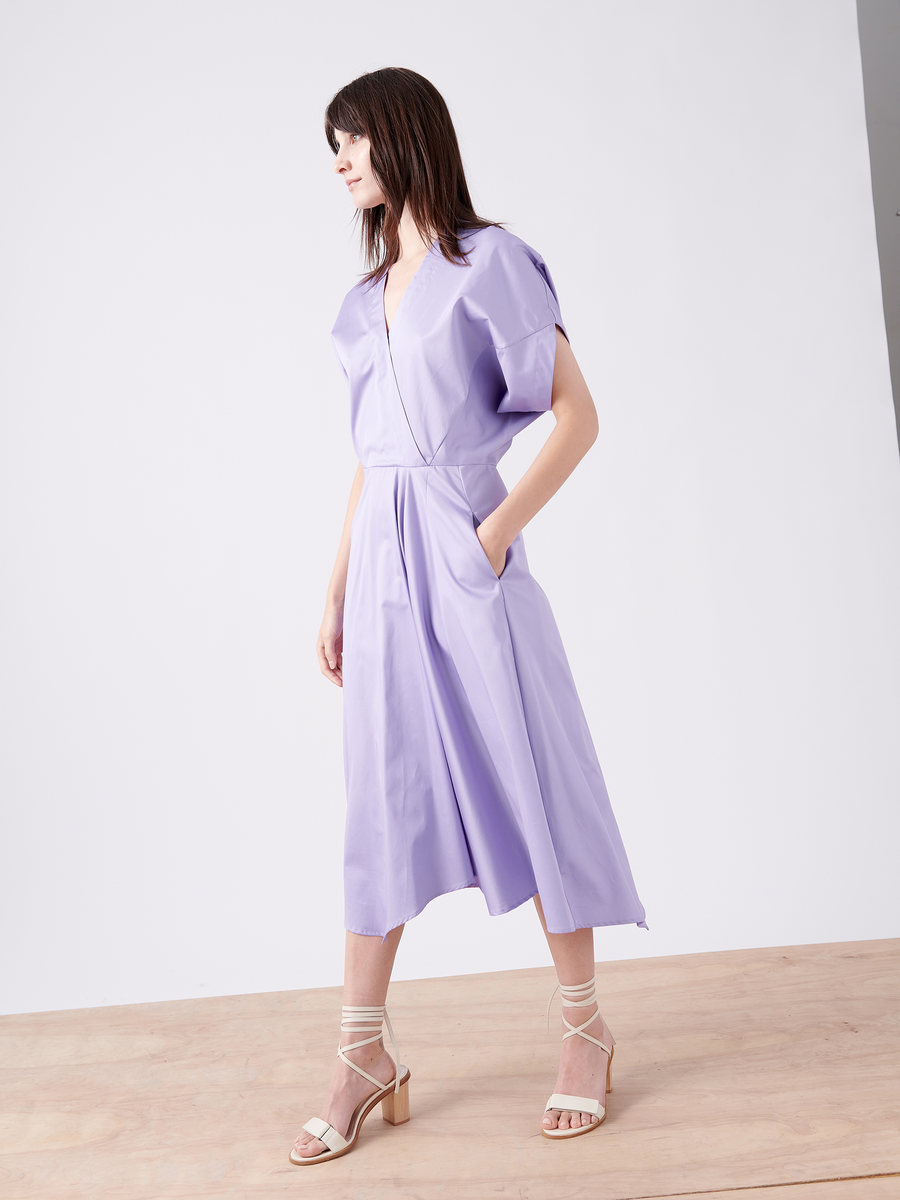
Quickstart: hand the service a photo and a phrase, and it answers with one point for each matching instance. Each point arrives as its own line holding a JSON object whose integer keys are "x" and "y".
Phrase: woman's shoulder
{"x": 494, "y": 245}
{"x": 490, "y": 238}
{"x": 356, "y": 298}
{"x": 358, "y": 292}
{"x": 353, "y": 315}
{"x": 511, "y": 282}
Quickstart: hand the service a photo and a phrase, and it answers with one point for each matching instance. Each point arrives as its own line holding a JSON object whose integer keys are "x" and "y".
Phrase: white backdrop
{"x": 176, "y": 462}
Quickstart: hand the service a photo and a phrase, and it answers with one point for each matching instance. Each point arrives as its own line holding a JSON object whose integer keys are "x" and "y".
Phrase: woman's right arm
{"x": 330, "y": 642}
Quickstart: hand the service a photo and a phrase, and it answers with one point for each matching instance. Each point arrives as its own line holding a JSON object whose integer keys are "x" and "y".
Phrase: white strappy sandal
{"x": 393, "y": 1096}
{"x": 581, "y": 995}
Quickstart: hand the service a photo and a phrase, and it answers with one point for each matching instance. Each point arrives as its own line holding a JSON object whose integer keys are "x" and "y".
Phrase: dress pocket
{"x": 481, "y": 551}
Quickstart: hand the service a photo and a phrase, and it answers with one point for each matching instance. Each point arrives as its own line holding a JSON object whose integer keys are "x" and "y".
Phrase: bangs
{"x": 343, "y": 114}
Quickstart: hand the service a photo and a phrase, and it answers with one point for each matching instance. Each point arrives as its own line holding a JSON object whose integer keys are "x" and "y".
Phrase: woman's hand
{"x": 330, "y": 644}
{"x": 494, "y": 549}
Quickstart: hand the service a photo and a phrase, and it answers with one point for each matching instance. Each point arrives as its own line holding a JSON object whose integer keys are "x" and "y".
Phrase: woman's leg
{"x": 368, "y": 963}
{"x": 582, "y": 1065}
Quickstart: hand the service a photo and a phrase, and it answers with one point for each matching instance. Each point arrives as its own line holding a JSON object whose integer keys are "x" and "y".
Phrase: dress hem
{"x": 491, "y": 912}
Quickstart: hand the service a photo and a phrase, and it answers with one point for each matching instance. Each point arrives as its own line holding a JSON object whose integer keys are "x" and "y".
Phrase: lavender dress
{"x": 467, "y": 756}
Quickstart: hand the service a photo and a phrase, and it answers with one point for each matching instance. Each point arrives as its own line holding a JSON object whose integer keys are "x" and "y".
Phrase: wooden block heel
{"x": 395, "y": 1105}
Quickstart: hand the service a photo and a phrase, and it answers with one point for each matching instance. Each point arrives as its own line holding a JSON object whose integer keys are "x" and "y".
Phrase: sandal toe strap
{"x": 325, "y": 1133}
{"x": 573, "y": 1104}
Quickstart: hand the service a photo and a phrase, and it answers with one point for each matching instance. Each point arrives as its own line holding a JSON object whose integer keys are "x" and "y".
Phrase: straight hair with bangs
{"x": 415, "y": 158}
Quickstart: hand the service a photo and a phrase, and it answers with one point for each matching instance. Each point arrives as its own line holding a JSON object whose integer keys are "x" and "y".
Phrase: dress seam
{"x": 518, "y": 341}
{"x": 420, "y": 466}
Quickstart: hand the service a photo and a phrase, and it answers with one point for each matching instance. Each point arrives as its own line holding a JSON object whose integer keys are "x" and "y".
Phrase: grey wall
{"x": 879, "y": 39}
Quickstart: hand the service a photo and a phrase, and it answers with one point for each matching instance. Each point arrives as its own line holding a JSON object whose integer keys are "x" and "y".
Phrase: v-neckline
{"x": 415, "y": 276}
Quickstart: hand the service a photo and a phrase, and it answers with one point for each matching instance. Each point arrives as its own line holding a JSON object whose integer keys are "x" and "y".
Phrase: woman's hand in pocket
{"x": 495, "y": 551}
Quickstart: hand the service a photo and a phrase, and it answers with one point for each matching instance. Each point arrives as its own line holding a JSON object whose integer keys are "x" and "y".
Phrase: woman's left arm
{"x": 575, "y": 432}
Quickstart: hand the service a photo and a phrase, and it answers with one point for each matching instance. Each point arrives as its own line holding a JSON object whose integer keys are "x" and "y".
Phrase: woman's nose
{"x": 341, "y": 164}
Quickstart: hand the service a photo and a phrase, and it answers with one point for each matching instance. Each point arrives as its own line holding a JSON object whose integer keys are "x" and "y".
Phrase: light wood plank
{"x": 842, "y": 1189}
{"x": 732, "y": 1070}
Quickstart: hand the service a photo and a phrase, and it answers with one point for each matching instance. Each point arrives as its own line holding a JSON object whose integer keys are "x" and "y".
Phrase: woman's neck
{"x": 412, "y": 244}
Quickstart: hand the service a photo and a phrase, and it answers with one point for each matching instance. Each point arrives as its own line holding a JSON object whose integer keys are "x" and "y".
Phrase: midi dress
{"x": 468, "y": 760}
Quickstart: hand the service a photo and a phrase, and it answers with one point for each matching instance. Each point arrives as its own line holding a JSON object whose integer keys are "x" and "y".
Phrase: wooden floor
{"x": 745, "y": 1075}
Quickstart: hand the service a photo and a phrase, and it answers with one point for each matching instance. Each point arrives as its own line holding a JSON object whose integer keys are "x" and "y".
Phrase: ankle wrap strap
{"x": 574, "y": 995}
{"x": 367, "y": 1019}
{"x": 577, "y": 995}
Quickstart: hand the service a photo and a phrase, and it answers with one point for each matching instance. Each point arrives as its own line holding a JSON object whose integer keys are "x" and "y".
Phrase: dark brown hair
{"x": 415, "y": 158}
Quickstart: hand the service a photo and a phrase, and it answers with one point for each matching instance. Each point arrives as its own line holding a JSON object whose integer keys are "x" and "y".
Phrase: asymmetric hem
{"x": 494, "y": 913}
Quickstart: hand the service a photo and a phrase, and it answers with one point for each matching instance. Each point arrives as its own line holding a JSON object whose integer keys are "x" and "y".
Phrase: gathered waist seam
{"x": 420, "y": 466}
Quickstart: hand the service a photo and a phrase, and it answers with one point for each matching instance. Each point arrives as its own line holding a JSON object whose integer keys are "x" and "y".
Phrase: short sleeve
{"x": 523, "y": 311}
{"x": 340, "y": 360}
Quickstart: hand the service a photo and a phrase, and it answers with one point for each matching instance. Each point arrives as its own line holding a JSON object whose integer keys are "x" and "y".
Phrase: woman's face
{"x": 352, "y": 164}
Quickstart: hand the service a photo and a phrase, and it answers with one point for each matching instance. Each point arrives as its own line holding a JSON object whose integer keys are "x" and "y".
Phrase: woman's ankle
{"x": 578, "y": 1016}
{"x": 370, "y": 1053}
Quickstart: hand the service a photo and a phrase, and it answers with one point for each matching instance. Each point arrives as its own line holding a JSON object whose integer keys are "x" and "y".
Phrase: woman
{"x": 468, "y": 760}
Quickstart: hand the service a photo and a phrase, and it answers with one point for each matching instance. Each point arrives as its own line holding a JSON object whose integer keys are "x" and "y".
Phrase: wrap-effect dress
{"x": 467, "y": 756}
